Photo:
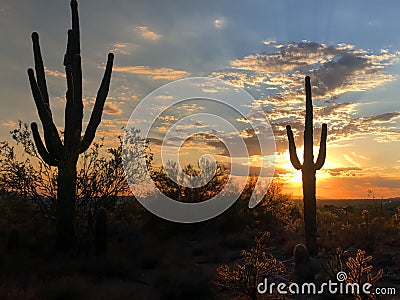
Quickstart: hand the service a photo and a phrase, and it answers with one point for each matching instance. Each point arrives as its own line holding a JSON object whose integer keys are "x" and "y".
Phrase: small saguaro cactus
{"x": 64, "y": 154}
{"x": 302, "y": 264}
{"x": 308, "y": 169}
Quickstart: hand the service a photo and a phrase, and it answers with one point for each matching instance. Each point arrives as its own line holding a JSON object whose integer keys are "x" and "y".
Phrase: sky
{"x": 351, "y": 50}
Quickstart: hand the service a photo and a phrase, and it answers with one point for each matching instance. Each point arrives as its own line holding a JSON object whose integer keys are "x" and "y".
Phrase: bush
{"x": 256, "y": 265}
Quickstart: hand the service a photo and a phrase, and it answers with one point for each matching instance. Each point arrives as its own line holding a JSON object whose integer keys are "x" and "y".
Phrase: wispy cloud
{"x": 219, "y": 23}
{"x": 123, "y": 48}
{"x": 153, "y": 73}
{"x": 146, "y": 33}
{"x": 11, "y": 124}
{"x": 112, "y": 109}
{"x": 54, "y": 73}
{"x": 111, "y": 106}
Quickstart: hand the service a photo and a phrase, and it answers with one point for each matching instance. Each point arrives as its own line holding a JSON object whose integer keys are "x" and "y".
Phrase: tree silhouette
{"x": 64, "y": 154}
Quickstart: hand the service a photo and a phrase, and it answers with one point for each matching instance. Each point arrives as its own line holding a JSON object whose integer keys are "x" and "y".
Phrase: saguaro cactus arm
{"x": 51, "y": 136}
{"x": 95, "y": 118}
{"x": 73, "y": 44}
{"x": 322, "y": 148}
{"x": 292, "y": 149}
{"x": 39, "y": 69}
{"x": 76, "y": 46}
{"x": 47, "y": 157}
{"x": 73, "y": 70}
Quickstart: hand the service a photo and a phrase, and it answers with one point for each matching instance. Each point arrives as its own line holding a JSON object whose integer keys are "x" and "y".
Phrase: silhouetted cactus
{"x": 308, "y": 169}
{"x": 303, "y": 269}
{"x": 100, "y": 231}
{"x": 54, "y": 152}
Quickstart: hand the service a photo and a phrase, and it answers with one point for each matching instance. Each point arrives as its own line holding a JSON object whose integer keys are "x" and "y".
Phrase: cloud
{"x": 351, "y": 160}
{"x": 343, "y": 172}
{"x": 113, "y": 123}
{"x": 111, "y": 106}
{"x": 164, "y": 97}
{"x": 153, "y": 73}
{"x": 219, "y": 23}
{"x": 147, "y": 34}
{"x": 12, "y": 124}
{"x": 54, "y": 73}
{"x": 335, "y": 70}
{"x": 268, "y": 43}
{"x": 123, "y": 48}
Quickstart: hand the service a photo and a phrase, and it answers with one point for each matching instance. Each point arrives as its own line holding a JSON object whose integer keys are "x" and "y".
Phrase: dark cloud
{"x": 335, "y": 74}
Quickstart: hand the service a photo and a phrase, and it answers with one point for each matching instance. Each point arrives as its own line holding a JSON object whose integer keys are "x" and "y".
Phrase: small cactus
{"x": 100, "y": 231}
{"x": 302, "y": 264}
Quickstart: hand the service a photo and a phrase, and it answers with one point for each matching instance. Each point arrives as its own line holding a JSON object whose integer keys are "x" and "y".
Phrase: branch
{"x": 292, "y": 149}
{"x": 322, "y": 148}
{"x": 95, "y": 118}
{"x": 46, "y": 156}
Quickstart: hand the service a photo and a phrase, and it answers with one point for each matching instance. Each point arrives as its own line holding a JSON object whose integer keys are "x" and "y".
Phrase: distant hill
{"x": 354, "y": 202}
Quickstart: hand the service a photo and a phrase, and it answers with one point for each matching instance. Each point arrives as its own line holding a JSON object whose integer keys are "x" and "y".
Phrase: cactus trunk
{"x": 65, "y": 208}
{"x": 310, "y": 210}
{"x": 308, "y": 169}
{"x": 64, "y": 155}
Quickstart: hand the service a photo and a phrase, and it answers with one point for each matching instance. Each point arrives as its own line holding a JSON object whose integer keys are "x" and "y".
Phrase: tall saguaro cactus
{"x": 308, "y": 169}
{"x": 55, "y": 152}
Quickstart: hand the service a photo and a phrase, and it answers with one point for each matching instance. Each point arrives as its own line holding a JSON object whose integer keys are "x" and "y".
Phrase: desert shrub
{"x": 24, "y": 173}
{"x": 361, "y": 229}
{"x": 256, "y": 265}
{"x": 15, "y": 211}
{"x": 275, "y": 207}
{"x": 14, "y": 291}
{"x": 329, "y": 225}
{"x": 326, "y": 217}
{"x": 169, "y": 186}
{"x": 357, "y": 268}
{"x": 395, "y": 219}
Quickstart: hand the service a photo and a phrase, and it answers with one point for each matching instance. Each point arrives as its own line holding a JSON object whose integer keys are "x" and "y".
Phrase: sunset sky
{"x": 351, "y": 50}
